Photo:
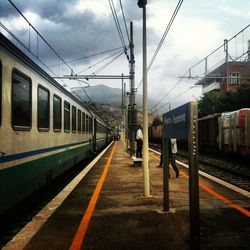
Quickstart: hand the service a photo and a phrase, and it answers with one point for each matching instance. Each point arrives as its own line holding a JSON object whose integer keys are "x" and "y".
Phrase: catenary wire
{"x": 40, "y": 35}
{"x": 193, "y": 66}
{"x": 104, "y": 66}
{"x": 162, "y": 39}
{"x": 124, "y": 20}
{"x": 93, "y": 65}
{"x": 118, "y": 27}
{"x": 92, "y": 55}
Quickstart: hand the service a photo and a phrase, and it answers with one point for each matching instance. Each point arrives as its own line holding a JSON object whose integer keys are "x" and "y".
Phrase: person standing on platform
{"x": 139, "y": 142}
{"x": 172, "y": 146}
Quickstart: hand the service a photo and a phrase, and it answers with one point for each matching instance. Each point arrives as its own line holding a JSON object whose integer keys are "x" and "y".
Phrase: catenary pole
{"x": 142, "y": 4}
{"x": 132, "y": 93}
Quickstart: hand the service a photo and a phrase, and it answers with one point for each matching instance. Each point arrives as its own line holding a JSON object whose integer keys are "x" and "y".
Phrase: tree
{"x": 209, "y": 103}
{"x": 215, "y": 102}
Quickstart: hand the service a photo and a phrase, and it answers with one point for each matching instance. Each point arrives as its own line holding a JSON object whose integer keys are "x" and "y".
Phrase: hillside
{"x": 103, "y": 94}
{"x": 108, "y": 103}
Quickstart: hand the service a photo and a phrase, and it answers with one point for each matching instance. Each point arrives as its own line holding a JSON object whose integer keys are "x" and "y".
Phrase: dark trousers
{"x": 172, "y": 159}
{"x": 139, "y": 148}
{"x": 173, "y": 164}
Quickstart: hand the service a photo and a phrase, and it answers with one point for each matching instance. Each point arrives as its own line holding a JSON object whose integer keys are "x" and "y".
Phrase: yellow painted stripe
{"x": 217, "y": 195}
{"x": 82, "y": 229}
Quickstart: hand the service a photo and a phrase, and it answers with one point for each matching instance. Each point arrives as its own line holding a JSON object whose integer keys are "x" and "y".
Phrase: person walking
{"x": 139, "y": 142}
{"x": 172, "y": 146}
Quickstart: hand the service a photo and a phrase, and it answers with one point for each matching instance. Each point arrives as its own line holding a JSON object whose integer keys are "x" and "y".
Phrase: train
{"x": 227, "y": 133}
{"x": 44, "y": 129}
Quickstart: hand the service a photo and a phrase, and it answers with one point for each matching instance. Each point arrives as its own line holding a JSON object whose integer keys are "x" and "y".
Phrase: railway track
{"x": 236, "y": 173}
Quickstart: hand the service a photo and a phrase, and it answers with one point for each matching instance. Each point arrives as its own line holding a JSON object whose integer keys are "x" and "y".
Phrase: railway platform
{"x": 107, "y": 210}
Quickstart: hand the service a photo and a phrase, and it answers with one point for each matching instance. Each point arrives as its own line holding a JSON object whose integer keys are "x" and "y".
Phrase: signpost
{"x": 182, "y": 123}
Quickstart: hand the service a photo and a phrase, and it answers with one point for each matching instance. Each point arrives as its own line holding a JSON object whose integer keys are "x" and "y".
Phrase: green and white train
{"x": 44, "y": 129}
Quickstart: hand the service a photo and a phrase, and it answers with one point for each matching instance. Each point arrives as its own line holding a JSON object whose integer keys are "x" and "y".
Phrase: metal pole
{"x": 125, "y": 118}
{"x": 194, "y": 208}
{"x": 145, "y": 110}
{"x": 132, "y": 92}
{"x": 122, "y": 107}
{"x": 165, "y": 164}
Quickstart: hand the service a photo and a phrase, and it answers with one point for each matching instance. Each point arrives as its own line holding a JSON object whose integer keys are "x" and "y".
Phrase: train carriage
{"x": 227, "y": 133}
{"x": 209, "y": 133}
{"x": 44, "y": 130}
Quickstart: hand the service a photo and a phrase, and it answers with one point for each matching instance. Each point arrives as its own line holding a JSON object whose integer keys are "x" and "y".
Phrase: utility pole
{"x": 122, "y": 108}
{"x": 132, "y": 125}
{"x": 142, "y": 4}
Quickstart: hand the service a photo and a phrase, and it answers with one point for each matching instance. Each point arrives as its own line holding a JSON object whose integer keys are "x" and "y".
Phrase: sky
{"x": 77, "y": 29}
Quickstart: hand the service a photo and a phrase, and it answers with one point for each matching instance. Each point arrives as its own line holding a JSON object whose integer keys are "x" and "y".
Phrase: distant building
{"x": 228, "y": 76}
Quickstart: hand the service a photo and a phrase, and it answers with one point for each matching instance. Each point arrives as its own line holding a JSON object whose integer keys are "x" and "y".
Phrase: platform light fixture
{"x": 142, "y": 3}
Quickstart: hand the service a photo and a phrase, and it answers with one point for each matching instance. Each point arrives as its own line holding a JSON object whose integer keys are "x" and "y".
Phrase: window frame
{"x": 47, "y": 90}
{"x": 234, "y": 79}
{"x": 79, "y": 121}
{"x": 83, "y": 122}
{"x": 68, "y": 110}
{"x": 14, "y": 126}
{"x": 87, "y": 123}
{"x": 57, "y": 129}
{"x": 73, "y": 119}
{"x": 90, "y": 124}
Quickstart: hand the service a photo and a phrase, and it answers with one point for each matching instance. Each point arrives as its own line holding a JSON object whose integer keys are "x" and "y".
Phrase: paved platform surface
{"x": 124, "y": 219}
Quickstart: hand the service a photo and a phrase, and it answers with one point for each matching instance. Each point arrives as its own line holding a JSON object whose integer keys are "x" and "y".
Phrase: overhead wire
{"x": 92, "y": 55}
{"x": 163, "y": 38}
{"x": 124, "y": 20}
{"x": 118, "y": 27}
{"x": 93, "y": 65}
{"x": 165, "y": 33}
{"x": 104, "y": 66}
{"x": 30, "y": 25}
{"x": 193, "y": 66}
{"x": 174, "y": 86}
{"x": 116, "y": 20}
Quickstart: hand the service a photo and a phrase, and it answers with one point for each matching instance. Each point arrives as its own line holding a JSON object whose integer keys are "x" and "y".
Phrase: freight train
{"x": 227, "y": 132}
{"x": 44, "y": 129}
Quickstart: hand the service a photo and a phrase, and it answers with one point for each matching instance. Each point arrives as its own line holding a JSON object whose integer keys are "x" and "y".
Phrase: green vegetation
{"x": 215, "y": 102}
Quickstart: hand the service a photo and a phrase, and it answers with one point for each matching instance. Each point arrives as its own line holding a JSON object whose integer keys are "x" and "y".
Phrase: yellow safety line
{"x": 217, "y": 195}
{"x": 82, "y": 229}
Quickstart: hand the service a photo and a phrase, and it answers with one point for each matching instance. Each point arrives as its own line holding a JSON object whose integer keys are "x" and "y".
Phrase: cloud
{"x": 76, "y": 29}
{"x": 241, "y": 12}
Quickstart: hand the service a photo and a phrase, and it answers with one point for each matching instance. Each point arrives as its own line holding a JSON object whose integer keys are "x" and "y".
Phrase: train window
{"x": 79, "y": 120}
{"x": 73, "y": 119}
{"x": 90, "y": 124}
{"x": 66, "y": 116}
{"x": 43, "y": 112}
{"x": 21, "y": 101}
{"x": 87, "y": 123}
{"x": 57, "y": 113}
{"x": 83, "y": 122}
{"x": 0, "y": 92}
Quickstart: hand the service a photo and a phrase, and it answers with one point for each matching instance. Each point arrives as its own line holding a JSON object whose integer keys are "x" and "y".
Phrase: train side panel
{"x": 32, "y": 155}
{"x": 208, "y": 133}
{"x": 234, "y": 132}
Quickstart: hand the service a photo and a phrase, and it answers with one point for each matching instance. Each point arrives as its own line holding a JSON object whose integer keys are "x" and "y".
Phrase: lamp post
{"x": 142, "y": 4}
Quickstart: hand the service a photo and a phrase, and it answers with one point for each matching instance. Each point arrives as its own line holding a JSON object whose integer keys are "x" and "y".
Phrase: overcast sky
{"x": 80, "y": 28}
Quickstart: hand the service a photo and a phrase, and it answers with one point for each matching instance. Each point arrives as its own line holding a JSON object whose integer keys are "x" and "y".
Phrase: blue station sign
{"x": 176, "y": 122}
